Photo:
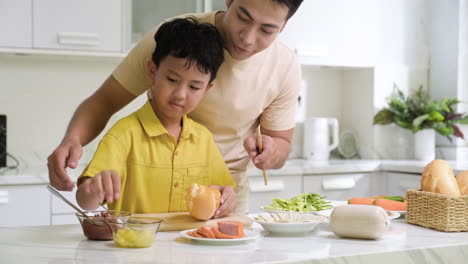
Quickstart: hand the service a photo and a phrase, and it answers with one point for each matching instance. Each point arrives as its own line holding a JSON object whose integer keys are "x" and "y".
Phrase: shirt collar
{"x": 153, "y": 126}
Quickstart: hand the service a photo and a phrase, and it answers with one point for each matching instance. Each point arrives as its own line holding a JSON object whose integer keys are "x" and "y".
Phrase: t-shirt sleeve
{"x": 108, "y": 156}
{"x": 281, "y": 112}
{"x": 131, "y": 73}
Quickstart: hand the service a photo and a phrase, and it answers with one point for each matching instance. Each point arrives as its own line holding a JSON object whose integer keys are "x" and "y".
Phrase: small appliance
{"x": 320, "y": 137}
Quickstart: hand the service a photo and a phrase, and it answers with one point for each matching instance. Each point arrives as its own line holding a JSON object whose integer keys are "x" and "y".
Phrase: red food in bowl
{"x": 97, "y": 227}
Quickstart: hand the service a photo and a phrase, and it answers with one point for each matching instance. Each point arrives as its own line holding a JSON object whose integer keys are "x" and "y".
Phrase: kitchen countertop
{"x": 403, "y": 243}
{"x": 39, "y": 175}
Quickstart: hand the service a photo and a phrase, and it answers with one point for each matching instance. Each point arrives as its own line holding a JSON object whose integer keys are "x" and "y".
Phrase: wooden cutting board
{"x": 184, "y": 221}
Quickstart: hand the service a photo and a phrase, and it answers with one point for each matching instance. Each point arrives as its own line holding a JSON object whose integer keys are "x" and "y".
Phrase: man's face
{"x": 176, "y": 89}
{"x": 250, "y": 26}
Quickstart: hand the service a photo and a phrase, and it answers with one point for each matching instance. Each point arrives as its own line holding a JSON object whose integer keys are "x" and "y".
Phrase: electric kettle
{"x": 318, "y": 132}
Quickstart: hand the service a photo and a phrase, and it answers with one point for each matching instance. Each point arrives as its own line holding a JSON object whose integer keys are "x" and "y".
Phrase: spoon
{"x": 59, "y": 195}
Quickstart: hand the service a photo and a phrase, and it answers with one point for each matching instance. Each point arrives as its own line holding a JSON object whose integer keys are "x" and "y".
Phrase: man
{"x": 256, "y": 85}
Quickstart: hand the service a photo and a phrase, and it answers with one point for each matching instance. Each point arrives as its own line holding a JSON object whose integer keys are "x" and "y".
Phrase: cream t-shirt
{"x": 262, "y": 89}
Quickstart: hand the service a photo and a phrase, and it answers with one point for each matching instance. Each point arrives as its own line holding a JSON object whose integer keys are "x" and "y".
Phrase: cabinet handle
{"x": 78, "y": 38}
{"x": 273, "y": 186}
{"x": 341, "y": 183}
{"x": 3, "y": 197}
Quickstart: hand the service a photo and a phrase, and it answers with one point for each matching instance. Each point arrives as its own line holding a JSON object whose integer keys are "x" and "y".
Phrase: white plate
{"x": 290, "y": 227}
{"x": 402, "y": 213}
{"x": 249, "y": 235}
{"x": 393, "y": 214}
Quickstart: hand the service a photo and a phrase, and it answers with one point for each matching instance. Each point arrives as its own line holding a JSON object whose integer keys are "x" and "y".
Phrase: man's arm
{"x": 87, "y": 122}
{"x": 276, "y": 148}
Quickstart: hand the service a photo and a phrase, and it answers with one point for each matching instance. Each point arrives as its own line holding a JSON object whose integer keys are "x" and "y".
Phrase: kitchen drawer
{"x": 24, "y": 205}
{"x": 78, "y": 25}
{"x": 278, "y": 187}
{"x": 60, "y": 207}
{"x": 64, "y": 219}
{"x": 398, "y": 183}
{"x": 339, "y": 186}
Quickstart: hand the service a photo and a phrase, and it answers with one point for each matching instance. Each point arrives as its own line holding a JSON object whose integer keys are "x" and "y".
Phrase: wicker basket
{"x": 438, "y": 211}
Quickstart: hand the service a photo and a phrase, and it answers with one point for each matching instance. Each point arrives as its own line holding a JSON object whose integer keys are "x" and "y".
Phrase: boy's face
{"x": 176, "y": 90}
{"x": 250, "y": 26}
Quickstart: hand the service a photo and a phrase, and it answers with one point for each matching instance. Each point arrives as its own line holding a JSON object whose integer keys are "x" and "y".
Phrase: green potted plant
{"x": 417, "y": 112}
{"x": 423, "y": 117}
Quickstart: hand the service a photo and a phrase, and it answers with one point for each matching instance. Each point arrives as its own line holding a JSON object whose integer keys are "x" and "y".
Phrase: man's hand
{"x": 66, "y": 155}
{"x": 104, "y": 186}
{"x": 228, "y": 201}
{"x": 276, "y": 148}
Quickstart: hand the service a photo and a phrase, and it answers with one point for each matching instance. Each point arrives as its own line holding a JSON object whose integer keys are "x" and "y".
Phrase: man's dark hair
{"x": 200, "y": 43}
{"x": 292, "y": 6}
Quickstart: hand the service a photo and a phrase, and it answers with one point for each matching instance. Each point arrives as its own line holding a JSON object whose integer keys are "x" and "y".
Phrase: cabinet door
{"x": 339, "y": 186}
{"x": 398, "y": 183}
{"x": 146, "y": 14}
{"x": 278, "y": 187}
{"x": 25, "y": 205}
{"x": 15, "y": 23}
{"x": 78, "y": 25}
{"x": 333, "y": 32}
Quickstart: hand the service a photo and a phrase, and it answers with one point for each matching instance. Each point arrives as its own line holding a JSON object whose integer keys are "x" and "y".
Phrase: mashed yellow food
{"x": 131, "y": 238}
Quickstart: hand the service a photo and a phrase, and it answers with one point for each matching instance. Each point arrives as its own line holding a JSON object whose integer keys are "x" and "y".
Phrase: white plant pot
{"x": 424, "y": 145}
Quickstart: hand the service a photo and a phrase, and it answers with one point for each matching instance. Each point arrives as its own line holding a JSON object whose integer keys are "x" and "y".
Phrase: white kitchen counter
{"x": 39, "y": 175}
{"x": 304, "y": 167}
{"x": 404, "y": 243}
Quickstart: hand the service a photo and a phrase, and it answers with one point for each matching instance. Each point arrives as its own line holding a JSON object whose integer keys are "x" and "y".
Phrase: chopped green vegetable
{"x": 306, "y": 202}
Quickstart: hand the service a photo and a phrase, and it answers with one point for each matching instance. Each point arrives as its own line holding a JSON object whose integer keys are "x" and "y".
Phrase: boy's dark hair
{"x": 200, "y": 43}
{"x": 292, "y": 6}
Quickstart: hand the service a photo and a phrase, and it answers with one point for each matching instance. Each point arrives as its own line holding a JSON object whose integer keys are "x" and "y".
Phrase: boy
{"x": 146, "y": 161}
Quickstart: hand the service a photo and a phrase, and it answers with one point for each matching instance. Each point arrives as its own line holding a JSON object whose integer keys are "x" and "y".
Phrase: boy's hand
{"x": 228, "y": 201}
{"x": 103, "y": 186}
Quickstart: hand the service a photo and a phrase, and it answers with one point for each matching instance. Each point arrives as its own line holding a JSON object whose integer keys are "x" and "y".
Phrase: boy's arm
{"x": 101, "y": 180}
{"x": 224, "y": 182}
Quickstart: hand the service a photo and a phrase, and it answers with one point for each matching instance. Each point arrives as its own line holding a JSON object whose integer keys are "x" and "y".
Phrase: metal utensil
{"x": 59, "y": 195}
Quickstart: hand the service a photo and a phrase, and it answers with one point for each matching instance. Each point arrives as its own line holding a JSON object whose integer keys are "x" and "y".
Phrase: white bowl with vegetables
{"x": 288, "y": 223}
{"x": 305, "y": 203}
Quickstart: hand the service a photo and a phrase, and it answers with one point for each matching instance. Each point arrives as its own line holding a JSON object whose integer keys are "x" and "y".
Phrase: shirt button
{"x": 176, "y": 153}
{"x": 176, "y": 185}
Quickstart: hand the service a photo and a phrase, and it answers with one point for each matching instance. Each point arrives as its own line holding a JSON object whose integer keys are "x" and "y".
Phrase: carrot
{"x": 394, "y": 198}
{"x": 390, "y": 205}
{"x": 361, "y": 200}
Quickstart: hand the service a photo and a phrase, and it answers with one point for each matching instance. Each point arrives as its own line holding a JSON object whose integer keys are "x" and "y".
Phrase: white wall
{"x": 39, "y": 95}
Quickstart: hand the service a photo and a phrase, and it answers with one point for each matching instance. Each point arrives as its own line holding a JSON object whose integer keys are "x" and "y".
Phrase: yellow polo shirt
{"x": 155, "y": 170}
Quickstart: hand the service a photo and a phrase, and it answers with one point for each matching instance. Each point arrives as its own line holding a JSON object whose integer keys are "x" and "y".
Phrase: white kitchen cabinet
{"x": 24, "y": 205}
{"x": 333, "y": 32}
{"x": 85, "y": 25}
{"x": 62, "y": 213}
{"x": 398, "y": 183}
{"x": 16, "y": 23}
{"x": 339, "y": 186}
{"x": 278, "y": 187}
